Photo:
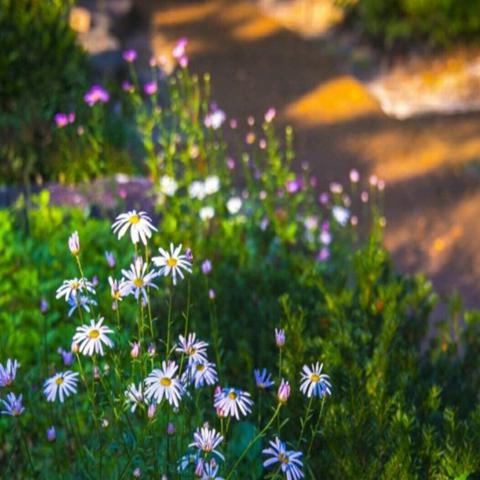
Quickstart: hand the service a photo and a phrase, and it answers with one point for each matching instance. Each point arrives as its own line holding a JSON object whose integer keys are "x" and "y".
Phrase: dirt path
{"x": 432, "y": 195}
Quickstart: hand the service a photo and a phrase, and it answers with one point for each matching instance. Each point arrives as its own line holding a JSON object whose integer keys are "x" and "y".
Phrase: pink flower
{"x": 270, "y": 114}
{"x": 183, "y": 61}
{"x": 96, "y": 94}
{"x": 127, "y": 86}
{"x": 61, "y": 119}
{"x": 179, "y": 48}
{"x": 130, "y": 55}
{"x": 150, "y": 88}
{"x": 354, "y": 176}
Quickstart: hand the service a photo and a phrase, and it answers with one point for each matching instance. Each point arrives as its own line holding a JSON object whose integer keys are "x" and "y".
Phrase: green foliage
{"x": 41, "y": 71}
{"x": 404, "y": 399}
{"x": 399, "y": 22}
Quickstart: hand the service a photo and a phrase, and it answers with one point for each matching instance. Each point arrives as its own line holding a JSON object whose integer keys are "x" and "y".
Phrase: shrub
{"x": 275, "y": 257}
{"x": 401, "y": 22}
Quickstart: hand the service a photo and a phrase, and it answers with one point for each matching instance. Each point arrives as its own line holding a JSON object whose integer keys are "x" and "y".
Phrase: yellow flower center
{"x": 134, "y": 219}
{"x": 232, "y": 396}
{"x": 165, "y": 381}
{"x": 315, "y": 378}
{"x": 59, "y": 380}
{"x": 283, "y": 458}
{"x": 138, "y": 282}
{"x": 200, "y": 367}
{"x": 172, "y": 262}
{"x": 94, "y": 334}
{"x": 75, "y": 285}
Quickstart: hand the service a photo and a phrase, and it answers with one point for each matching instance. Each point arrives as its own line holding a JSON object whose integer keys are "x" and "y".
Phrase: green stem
{"x": 27, "y": 449}
{"x": 305, "y": 420}
{"x": 169, "y": 322}
{"x": 314, "y": 433}
{"x": 252, "y": 442}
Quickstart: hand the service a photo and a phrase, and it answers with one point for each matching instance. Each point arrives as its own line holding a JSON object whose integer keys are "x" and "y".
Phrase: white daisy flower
{"x": 8, "y": 373}
{"x": 163, "y": 383}
{"x": 80, "y": 301}
{"x": 314, "y": 382}
{"x": 134, "y": 396}
{"x": 232, "y": 401}
{"x": 195, "y": 350}
{"x": 172, "y": 262}
{"x": 206, "y": 213}
{"x": 215, "y": 119}
{"x": 140, "y": 225}
{"x": 207, "y": 440}
{"x": 137, "y": 279}
{"x": 74, "y": 287}
{"x": 90, "y": 338}
{"x": 62, "y": 384}
{"x": 234, "y": 205}
{"x": 168, "y": 185}
{"x": 202, "y": 373}
{"x": 197, "y": 190}
{"x": 212, "y": 184}
{"x": 118, "y": 289}
{"x": 12, "y": 405}
{"x": 341, "y": 215}
{"x": 290, "y": 462}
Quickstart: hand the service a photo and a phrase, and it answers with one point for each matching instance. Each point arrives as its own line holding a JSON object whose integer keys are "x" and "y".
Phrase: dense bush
{"x": 279, "y": 256}
{"x": 44, "y": 72}
{"x": 403, "y": 22}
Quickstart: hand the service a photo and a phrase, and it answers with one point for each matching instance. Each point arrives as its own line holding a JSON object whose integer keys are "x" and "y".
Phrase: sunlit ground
{"x": 254, "y": 61}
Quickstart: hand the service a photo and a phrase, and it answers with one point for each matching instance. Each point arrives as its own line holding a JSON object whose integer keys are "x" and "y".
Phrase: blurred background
{"x": 390, "y": 88}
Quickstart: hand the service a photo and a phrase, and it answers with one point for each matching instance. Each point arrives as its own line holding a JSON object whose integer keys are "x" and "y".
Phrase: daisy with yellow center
{"x": 172, "y": 262}
{"x": 137, "y": 279}
{"x": 200, "y": 374}
{"x": 61, "y": 385}
{"x": 232, "y": 402}
{"x": 162, "y": 383}
{"x": 72, "y": 288}
{"x": 314, "y": 382}
{"x": 207, "y": 440}
{"x": 90, "y": 339}
{"x": 139, "y": 223}
{"x": 289, "y": 462}
{"x": 195, "y": 350}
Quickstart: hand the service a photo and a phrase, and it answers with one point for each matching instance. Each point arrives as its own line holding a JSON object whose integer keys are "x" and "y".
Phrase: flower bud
{"x": 74, "y": 244}
{"x": 206, "y": 267}
{"x": 171, "y": 428}
{"x": 51, "y": 434}
{"x": 135, "y": 351}
{"x": 280, "y": 337}
{"x": 152, "y": 408}
{"x": 151, "y": 350}
{"x": 283, "y": 391}
{"x": 137, "y": 473}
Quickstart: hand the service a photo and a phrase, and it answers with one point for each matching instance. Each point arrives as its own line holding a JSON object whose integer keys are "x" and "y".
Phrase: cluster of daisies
{"x": 171, "y": 381}
{"x": 12, "y": 405}
{"x": 199, "y": 190}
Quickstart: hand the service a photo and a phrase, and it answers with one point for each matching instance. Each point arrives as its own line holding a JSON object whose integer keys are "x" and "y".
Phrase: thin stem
{"x": 314, "y": 433}
{"x": 252, "y": 442}
{"x": 169, "y": 322}
{"x": 305, "y": 420}
{"x": 27, "y": 449}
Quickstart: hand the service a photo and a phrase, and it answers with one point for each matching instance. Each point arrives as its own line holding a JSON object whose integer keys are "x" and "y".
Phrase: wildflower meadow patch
{"x": 235, "y": 322}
